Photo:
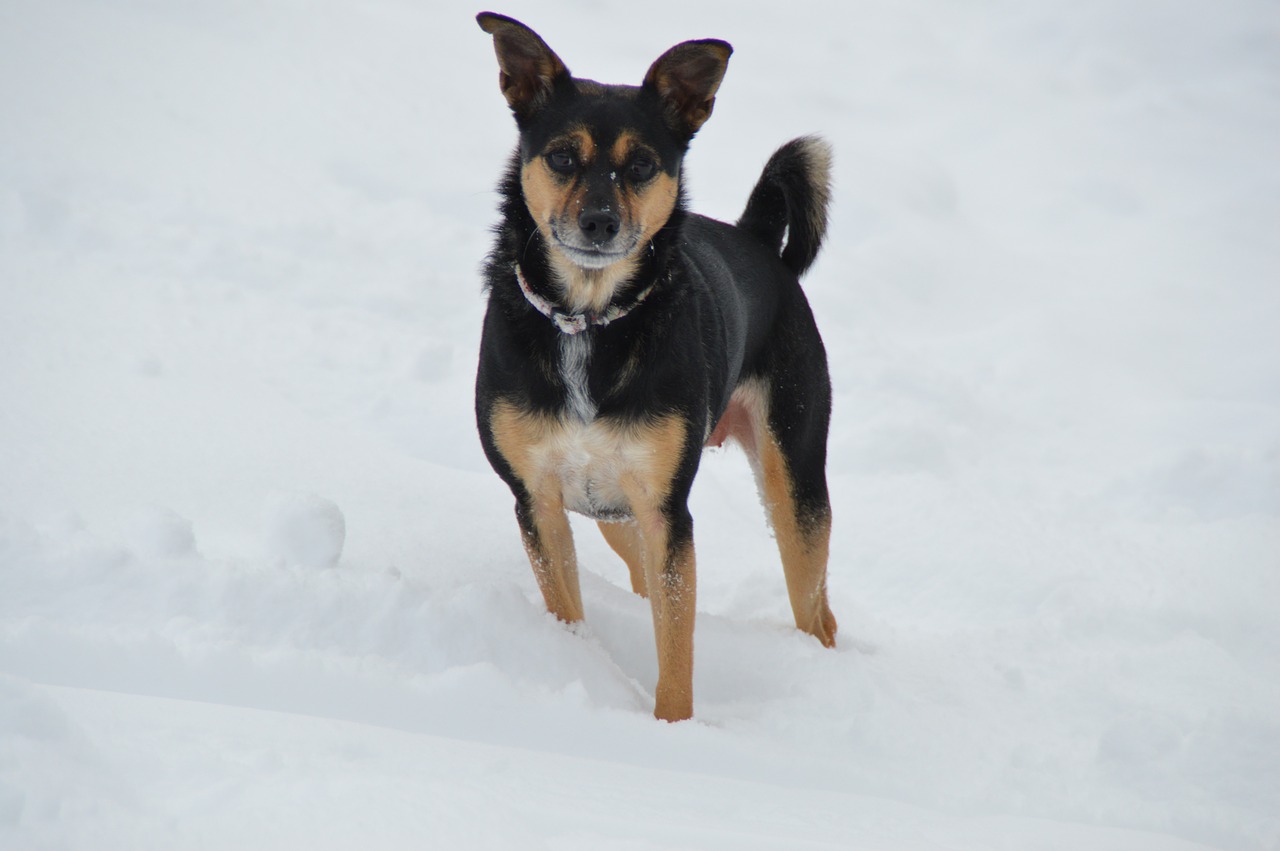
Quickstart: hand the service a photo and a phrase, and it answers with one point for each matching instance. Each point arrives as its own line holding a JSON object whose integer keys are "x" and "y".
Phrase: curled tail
{"x": 787, "y": 209}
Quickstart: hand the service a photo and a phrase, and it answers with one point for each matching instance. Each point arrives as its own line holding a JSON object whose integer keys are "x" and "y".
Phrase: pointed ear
{"x": 686, "y": 77}
{"x": 528, "y": 69}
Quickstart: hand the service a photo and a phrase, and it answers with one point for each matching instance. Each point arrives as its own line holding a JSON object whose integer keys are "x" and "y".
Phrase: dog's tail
{"x": 788, "y": 208}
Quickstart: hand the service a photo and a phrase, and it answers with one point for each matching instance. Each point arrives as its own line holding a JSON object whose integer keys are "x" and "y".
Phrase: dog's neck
{"x": 575, "y": 322}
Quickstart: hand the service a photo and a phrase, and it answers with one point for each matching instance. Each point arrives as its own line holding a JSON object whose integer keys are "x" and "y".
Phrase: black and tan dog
{"x": 624, "y": 334}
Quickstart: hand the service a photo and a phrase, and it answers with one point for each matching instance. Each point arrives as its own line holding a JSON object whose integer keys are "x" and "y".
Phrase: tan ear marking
{"x": 528, "y": 68}
{"x": 687, "y": 77}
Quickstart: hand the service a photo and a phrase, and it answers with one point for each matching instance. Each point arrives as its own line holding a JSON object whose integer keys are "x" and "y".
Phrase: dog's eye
{"x": 642, "y": 168}
{"x": 562, "y": 162}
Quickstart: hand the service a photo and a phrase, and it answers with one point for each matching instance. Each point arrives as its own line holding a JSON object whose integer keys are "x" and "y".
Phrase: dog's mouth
{"x": 592, "y": 257}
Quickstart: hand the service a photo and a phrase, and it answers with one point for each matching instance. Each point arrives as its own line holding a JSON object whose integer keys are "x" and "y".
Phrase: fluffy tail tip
{"x": 787, "y": 209}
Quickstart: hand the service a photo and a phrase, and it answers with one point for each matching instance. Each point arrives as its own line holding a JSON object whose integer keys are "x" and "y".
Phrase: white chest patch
{"x": 595, "y": 463}
{"x": 575, "y": 355}
{"x": 602, "y": 467}
{"x": 588, "y": 457}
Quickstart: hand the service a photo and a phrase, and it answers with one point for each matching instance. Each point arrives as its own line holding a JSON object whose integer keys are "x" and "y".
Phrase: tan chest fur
{"x": 602, "y": 468}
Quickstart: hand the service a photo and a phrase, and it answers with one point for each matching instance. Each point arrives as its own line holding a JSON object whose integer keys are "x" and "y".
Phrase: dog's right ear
{"x": 528, "y": 69}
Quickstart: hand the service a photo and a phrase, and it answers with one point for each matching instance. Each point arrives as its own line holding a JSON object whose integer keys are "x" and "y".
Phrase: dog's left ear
{"x": 686, "y": 77}
{"x": 528, "y": 69}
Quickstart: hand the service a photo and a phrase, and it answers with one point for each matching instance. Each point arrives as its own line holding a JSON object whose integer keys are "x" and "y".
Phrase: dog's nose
{"x": 599, "y": 225}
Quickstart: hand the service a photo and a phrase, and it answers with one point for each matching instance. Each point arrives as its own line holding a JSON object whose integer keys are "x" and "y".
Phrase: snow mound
{"x": 304, "y": 530}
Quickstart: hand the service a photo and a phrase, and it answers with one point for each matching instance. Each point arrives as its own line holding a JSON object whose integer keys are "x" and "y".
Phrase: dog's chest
{"x": 595, "y": 465}
{"x": 588, "y": 457}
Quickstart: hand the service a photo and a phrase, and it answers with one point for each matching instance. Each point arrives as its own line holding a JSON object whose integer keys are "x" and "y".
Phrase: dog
{"x": 623, "y": 334}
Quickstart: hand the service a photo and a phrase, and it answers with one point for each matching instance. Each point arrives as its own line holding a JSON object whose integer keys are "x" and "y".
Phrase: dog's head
{"x": 600, "y": 164}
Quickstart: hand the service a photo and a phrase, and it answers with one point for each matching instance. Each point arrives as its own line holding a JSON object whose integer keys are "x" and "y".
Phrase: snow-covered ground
{"x": 259, "y": 589}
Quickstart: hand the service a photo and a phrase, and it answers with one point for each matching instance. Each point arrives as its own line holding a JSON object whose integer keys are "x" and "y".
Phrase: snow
{"x": 259, "y": 588}
{"x": 304, "y": 530}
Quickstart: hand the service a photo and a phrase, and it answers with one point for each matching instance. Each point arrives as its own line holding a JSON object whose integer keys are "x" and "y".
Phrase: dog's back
{"x": 752, "y": 268}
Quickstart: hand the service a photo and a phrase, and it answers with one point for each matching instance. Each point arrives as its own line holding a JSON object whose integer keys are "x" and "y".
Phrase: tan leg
{"x": 624, "y": 539}
{"x": 803, "y": 543}
{"x": 803, "y": 538}
{"x": 548, "y": 541}
{"x": 671, "y": 576}
{"x": 658, "y": 549}
{"x": 544, "y": 526}
{"x": 664, "y": 531}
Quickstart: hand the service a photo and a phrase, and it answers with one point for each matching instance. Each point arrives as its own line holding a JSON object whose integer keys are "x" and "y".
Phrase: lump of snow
{"x": 304, "y": 530}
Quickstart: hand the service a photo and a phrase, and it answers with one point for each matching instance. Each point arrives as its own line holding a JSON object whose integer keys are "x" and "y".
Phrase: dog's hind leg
{"x": 792, "y": 479}
{"x": 624, "y": 539}
{"x": 803, "y": 532}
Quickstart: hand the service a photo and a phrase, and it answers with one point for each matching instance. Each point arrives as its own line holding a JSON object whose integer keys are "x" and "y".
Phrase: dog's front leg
{"x": 666, "y": 543}
{"x": 515, "y": 441}
{"x": 662, "y": 463}
{"x": 670, "y": 577}
{"x": 548, "y": 541}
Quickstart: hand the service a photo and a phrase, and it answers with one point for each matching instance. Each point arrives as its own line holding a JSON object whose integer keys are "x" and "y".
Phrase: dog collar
{"x": 573, "y": 323}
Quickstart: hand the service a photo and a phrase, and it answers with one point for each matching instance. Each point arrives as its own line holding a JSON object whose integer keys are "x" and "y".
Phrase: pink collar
{"x": 573, "y": 323}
